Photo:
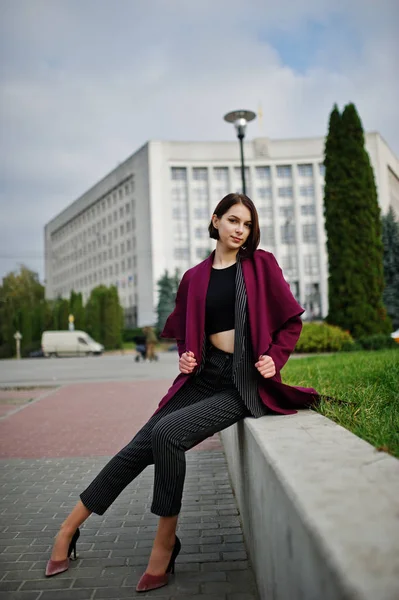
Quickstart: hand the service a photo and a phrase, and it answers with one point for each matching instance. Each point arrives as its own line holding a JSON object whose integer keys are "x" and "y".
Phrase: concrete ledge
{"x": 319, "y": 506}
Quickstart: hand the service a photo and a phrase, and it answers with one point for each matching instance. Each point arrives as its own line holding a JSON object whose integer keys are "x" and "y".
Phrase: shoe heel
{"x": 72, "y": 545}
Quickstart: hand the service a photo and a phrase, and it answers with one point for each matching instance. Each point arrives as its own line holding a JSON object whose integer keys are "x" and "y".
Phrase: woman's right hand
{"x": 187, "y": 363}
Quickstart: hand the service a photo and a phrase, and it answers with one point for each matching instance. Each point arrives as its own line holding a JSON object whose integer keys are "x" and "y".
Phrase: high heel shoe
{"x": 54, "y": 567}
{"x": 152, "y": 582}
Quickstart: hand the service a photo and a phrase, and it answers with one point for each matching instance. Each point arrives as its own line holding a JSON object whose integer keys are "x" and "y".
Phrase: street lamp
{"x": 240, "y": 118}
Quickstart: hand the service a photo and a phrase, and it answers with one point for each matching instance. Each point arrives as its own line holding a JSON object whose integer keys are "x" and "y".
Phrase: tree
{"x": 104, "y": 316}
{"x": 20, "y": 294}
{"x": 167, "y": 289}
{"x": 113, "y": 320}
{"x": 390, "y": 237}
{"x": 353, "y": 226}
{"x": 94, "y": 313}
{"x": 77, "y": 309}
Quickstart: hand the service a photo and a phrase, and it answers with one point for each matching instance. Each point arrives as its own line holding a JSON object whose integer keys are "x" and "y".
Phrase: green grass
{"x": 365, "y": 386}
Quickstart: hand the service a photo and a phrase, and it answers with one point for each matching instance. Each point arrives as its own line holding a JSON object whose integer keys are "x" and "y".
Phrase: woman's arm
{"x": 284, "y": 341}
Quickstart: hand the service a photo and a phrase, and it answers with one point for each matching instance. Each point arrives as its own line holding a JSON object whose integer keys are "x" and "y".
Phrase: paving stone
{"x": 9, "y": 586}
{"x": 114, "y": 549}
{"x": 242, "y": 596}
{"x": 21, "y": 596}
{"x": 51, "y": 583}
{"x": 67, "y": 595}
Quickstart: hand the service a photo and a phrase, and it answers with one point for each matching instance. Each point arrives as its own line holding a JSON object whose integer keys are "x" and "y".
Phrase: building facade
{"x": 151, "y": 214}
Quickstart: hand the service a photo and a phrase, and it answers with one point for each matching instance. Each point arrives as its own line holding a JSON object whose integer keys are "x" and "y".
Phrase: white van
{"x": 69, "y": 343}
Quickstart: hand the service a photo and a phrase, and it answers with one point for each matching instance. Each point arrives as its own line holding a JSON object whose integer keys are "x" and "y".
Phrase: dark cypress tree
{"x": 112, "y": 320}
{"x": 390, "y": 237}
{"x": 77, "y": 310}
{"x": 353, "y": 226}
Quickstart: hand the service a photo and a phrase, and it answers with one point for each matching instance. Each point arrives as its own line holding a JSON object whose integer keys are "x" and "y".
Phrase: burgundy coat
{"x": 274, "y": 319}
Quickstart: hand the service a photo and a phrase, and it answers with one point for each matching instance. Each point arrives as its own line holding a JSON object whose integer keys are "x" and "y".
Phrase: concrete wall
{"x": 319, "y": 506}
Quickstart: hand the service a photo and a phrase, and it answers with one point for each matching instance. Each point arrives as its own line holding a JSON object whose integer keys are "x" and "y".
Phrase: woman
{"x": 231, "y": 308}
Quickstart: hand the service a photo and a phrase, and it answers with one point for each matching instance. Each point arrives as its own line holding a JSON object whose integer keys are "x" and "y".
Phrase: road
{"x": 53, "y": 371}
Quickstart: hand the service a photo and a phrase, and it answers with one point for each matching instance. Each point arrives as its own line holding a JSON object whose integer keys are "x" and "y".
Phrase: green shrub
{"x": 320, "y": 337}
{"x": 378, "y": 341}
{"x": 351, "y": 346}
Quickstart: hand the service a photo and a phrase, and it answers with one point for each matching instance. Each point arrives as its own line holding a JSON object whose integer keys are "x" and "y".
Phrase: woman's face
{"x": 234, "y": 226}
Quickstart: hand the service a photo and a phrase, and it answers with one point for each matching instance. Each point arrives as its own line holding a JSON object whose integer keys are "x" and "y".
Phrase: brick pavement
{"x": 46, "y": 463}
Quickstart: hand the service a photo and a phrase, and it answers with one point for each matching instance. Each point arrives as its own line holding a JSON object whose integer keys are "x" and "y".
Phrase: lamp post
{"x": 240, "y": 118}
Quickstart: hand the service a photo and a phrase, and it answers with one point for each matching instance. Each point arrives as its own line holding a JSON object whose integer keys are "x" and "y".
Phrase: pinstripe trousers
{"x": 206, "y": 404}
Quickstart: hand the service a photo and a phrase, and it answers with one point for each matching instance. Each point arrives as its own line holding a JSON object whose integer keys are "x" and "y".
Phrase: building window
{"x": 201, "y": 213}
{"x": 267, "y": 235}
{"x": 287, "y": 233}
{"x": 286, "y": 211}
{"x": 115, "y": 215}
{"x": 201, "y": 253}
{"x": 289, "y": 265}
{"x": 127, "y": 208}
{"x": 306, "y": 190}
{"x": 121, "y": 211}
{"x": 122, "y": 229}
{"x": 181, "y": 253}
{"x": 311, "y": 263}
{"x": 179, "y": 173}
{"x": 262, "y": 172}
{"x": 305, "y": 170}
{"x": 308, "y": 209}
{"x": 264, "y": 192}
{"x": 200, "y": 195}
{"x": 237, "y": 173}
{"x": 129, "y": 245}
{"x": 284, "y": 171}
{"x": 221, "y": 174}
{"x": 201, "y": 233}
{"x": 179, "y": 213}
{"x": 322, "y": 170}
{"x": 123, "y": 266}
{"x": 309, "y": 233}
{"x": 123, "y": 248}
{"x": 128, "y": 226}
{"x": 285, "y": 192}
{"x": 265, "y": 212}
{"x": 200, "y": 174}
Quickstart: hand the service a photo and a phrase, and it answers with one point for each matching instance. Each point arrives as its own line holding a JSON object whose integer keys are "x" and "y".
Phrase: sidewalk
{"x": 51, "y": 450}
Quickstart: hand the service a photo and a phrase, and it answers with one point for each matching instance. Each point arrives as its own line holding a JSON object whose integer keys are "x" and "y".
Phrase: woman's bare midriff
{"x": 224, "y": 340}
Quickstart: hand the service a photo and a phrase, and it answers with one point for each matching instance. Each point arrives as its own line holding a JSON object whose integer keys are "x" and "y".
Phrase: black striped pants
{"x": 206, "y": 404}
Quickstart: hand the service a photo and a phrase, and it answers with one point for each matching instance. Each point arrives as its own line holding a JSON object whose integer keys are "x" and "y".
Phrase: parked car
{"x": 36, "y": 353}
{"x": 69, "y": 343}
{"x": 395, "y": 335}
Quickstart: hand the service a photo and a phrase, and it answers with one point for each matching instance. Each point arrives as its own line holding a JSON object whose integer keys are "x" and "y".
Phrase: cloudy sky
{"x": 84, "y": 83}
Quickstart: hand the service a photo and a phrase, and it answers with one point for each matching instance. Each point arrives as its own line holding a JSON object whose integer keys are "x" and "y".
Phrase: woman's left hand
{"x": 266, "y": 366}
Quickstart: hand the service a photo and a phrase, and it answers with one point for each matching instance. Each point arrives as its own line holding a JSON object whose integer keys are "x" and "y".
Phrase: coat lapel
{"x": 257, "y": 308}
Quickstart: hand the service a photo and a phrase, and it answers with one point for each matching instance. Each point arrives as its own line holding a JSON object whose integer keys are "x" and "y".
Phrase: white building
{"x": 151, "y": 213}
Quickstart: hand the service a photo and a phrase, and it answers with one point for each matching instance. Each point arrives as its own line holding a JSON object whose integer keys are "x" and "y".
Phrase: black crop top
{"x": 220, "y": 300}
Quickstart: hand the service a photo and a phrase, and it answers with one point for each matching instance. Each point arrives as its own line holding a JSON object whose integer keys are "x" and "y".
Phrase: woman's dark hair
{"x": 224, "y": 205}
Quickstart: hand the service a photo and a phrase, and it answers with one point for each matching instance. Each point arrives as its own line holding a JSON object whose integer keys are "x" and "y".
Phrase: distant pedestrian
{"x": 151, "y": 341}
{"x": 236, "y": 323}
